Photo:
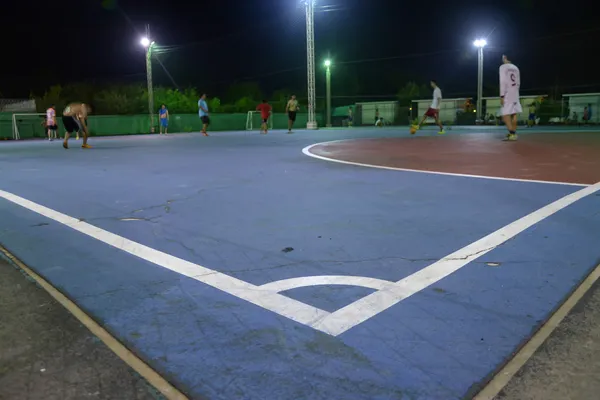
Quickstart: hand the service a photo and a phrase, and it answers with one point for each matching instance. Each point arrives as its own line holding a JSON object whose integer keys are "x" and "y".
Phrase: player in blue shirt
{"x": 163, "y": 118}
{"x": 203, "y": 113}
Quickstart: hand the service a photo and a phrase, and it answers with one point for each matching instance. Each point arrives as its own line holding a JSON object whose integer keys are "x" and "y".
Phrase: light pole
{"x": 147, "y": 43}
{"x": 480, "y": 44}
{"x": 310, "y": 62}
{"x": 328, "y": 79}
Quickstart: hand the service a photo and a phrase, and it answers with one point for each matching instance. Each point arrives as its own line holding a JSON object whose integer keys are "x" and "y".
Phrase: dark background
{"x": 377, "y": 45}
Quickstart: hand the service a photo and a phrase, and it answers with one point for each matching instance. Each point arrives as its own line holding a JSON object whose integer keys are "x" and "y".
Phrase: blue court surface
{"x": 238, "y": 267}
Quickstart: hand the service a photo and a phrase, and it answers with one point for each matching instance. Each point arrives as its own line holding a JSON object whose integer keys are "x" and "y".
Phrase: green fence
{"x": 30, "y": 126}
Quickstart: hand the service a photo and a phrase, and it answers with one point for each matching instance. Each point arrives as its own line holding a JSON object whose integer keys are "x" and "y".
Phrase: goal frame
{"x": 15, "y": 127}
{"x": 250, "y": 121}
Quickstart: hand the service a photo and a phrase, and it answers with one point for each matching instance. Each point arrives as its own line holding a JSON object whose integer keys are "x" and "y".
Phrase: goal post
{"x": 28, "y": 125}
{"x": 254, "y": 121}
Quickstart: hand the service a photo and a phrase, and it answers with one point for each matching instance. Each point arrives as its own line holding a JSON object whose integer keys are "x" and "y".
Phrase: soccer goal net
{"x": 28, "y": 126}
{"x": 254, "y": 121}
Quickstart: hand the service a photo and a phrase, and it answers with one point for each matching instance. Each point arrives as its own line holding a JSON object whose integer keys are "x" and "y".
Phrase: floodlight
{"x": 480, "y": 43}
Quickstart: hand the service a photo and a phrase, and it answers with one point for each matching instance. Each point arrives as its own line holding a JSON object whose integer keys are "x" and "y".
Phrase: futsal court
{"x": 331, "y": 264}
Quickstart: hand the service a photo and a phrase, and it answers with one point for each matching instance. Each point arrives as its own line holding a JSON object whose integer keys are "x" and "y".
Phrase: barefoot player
{"x": 265, "y": 113}
{"x": 292, "y": 108}
{"x": 75, "y": 120}
{"x": 510, "y": 82}
{"x": 434, "y": 110}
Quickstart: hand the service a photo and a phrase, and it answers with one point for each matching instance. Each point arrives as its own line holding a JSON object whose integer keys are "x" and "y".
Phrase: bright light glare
{"x": 480, "y": 43}
{"x": 145, "y": 42}
{"x": 328, "y": 63}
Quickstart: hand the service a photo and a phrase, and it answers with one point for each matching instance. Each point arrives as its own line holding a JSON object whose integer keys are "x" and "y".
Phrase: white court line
{"x": 503, "y": 377}
{"x": 347, "y": 280}
{"x": 137, "y": 364}
{"x": 280, "y": 304}
{"x": 367, "y": 307}
{"x": 338, "y": 322}
{"x": 307, "y": 152}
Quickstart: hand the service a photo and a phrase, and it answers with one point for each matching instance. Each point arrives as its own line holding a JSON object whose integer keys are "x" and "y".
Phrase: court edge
{"x": 307, "y": 152}
{"x": 503, "y": 376}
{"x": 139, "y": 366}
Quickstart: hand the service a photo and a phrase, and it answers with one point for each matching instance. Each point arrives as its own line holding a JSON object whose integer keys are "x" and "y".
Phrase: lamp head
{"x": 480, "y": 43}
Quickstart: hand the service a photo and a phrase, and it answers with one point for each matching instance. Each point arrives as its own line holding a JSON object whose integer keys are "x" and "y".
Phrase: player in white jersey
{"x": 434, "y": 110}
{"x": 510, "y": 82}
{"x": 51, "y": 125}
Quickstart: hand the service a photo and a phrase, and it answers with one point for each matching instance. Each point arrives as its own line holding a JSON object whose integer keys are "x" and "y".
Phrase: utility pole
{"x": 310, "y": 62}
{"x": 479, "y": 82}
{"x": 328, "y": 91}
{"x": 149, "y": 78}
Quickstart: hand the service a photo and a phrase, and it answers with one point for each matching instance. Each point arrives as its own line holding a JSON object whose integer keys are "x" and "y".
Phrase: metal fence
{"x": 17, "y": 105}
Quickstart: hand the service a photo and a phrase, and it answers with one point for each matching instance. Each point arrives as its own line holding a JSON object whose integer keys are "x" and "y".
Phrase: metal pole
{"x": 149, "y": 80}
{"x": 328, "y": 76}
{"x": 310, "y": 63}
{"x": 479, "y": 82}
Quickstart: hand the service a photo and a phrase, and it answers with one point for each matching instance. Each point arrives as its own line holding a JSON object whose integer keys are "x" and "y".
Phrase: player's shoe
{"x": 86, "y": 146}
{"x": 441, "y": 132}
{"x": 511, "y": 137}
{"x": 66, "y": 145}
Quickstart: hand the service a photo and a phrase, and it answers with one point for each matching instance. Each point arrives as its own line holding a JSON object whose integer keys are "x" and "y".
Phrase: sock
{"x": 512, "y": 132}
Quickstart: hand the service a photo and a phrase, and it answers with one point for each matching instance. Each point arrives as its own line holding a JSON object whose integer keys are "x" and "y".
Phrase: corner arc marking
{"x": 318, "y": 280}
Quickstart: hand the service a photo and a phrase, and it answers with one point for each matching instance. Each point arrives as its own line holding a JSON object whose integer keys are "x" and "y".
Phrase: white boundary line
{"x": 139, "y": 366}
{"x": 307, "y": 151}
{"x": 503, "y": 377}
{"x": 367, "y": 307}
{"x": 334, "y": 323}
{"x": 280, "y": 304}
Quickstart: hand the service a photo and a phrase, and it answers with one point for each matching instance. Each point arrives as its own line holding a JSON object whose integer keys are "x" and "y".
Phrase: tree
{"x": 237, "y": 91}
{"x": 245, "y": 104}
{"x": 120, "y": 100}
{"x": 180, "y": 102}
{"x": 214, "y": 104}
{"x": 411, "y": 91}
{"x": 133, "y": 99}
{"x": 51, "y": 97}
{"x": 279, "y": 99}
{"x": 84, "y": 92}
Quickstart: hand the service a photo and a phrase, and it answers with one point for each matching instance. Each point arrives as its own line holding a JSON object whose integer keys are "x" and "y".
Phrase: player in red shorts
{"x": 434, "y": 110}
{"x": 265, "y": 113}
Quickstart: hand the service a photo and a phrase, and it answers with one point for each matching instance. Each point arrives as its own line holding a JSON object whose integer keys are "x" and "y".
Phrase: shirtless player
{"x": 75, "y": 120}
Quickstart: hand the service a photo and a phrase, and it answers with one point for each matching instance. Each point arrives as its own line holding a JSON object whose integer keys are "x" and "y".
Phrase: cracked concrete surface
{"x": 46, "y": 354}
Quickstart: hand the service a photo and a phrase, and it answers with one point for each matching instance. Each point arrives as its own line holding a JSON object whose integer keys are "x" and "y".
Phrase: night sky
{"x": 376, "y": 45}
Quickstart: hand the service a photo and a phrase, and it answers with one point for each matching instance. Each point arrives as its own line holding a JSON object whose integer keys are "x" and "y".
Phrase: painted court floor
{"x": 342, "y": 264}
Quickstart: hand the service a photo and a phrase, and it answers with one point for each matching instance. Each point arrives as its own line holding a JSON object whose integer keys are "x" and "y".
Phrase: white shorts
{"x": 511, "y": 108}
